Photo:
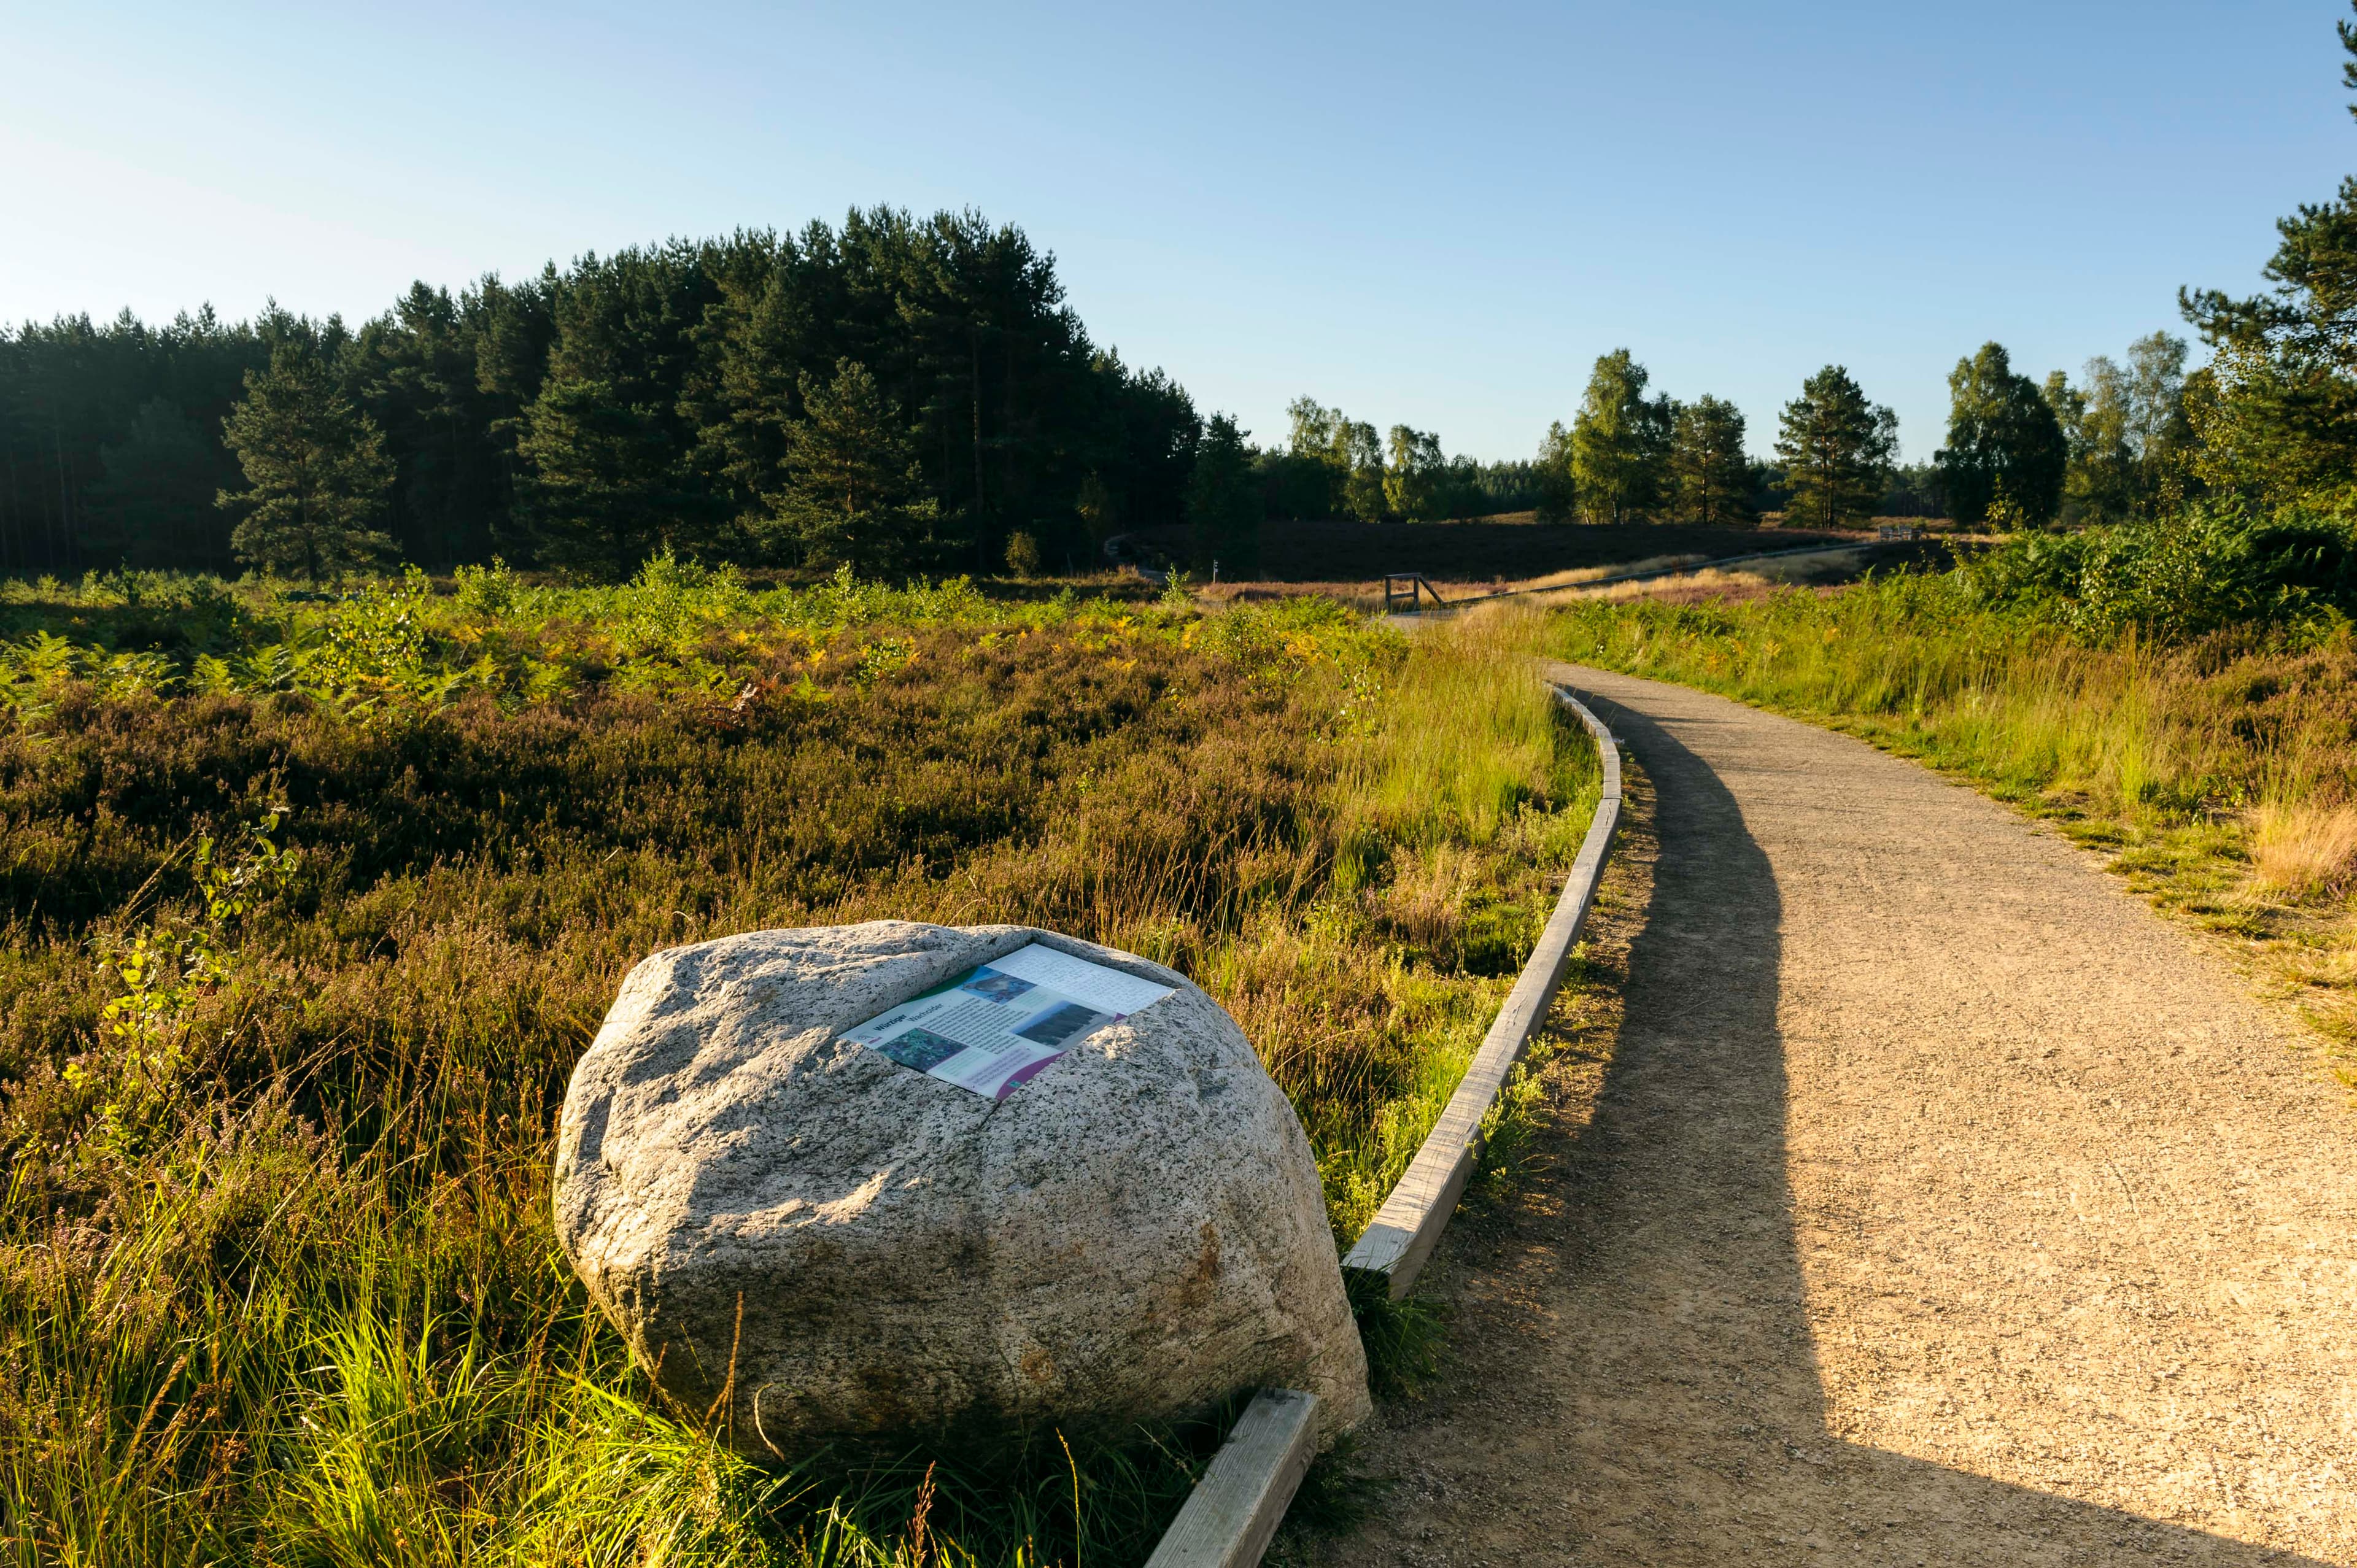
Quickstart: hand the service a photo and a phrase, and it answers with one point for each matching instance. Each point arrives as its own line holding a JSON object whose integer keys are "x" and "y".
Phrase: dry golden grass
{"x": 1425, "y": 900}
{"x": 1590, "y": 574}
{"x": 2301, "y": 849}
{"x": 1818, "y": 566}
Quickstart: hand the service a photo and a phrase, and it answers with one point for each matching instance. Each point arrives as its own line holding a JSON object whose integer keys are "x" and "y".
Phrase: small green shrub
{"x": 2199, "y": 571}
{"x": 1023, "y": 554}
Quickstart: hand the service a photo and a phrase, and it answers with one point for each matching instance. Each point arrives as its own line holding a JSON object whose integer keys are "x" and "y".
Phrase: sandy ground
{"x": 1941, "y": 1204}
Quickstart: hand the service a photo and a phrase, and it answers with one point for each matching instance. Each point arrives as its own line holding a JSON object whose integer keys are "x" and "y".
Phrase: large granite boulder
{"x": 1132, "y": 1233}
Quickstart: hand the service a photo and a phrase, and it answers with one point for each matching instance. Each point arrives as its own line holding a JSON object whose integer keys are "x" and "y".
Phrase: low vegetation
{"x": 312, "y": 902}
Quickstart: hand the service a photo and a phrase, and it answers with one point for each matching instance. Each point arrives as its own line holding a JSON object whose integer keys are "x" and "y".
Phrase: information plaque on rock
{"x": 992, "y": 1029}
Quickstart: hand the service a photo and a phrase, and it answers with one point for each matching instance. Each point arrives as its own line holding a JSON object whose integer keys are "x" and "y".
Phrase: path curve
{"x": 1941, "y": 1204}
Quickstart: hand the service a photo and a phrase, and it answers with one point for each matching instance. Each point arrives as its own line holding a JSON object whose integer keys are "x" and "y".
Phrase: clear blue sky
{"x": 1437, "y": 215}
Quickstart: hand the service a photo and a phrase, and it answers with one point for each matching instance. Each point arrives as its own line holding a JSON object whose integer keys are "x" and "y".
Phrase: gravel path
{"x": 1941, "y": 1204}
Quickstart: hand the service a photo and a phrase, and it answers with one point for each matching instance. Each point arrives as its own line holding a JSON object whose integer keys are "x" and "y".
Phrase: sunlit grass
{"x": 278, "y": 1281}
{"x": 2221, "y": 769}
{"x": 2302, "y": 851}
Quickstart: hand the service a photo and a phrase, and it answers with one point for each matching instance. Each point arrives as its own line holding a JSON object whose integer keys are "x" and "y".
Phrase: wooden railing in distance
{"x": 1404, "y": 593}
{"x": 1236, "y": 1507}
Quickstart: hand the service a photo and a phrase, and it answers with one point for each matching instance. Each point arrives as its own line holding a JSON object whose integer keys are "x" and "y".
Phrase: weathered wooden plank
{"x": 1409, "y": 1225}
{"x": 1237, "y": 1506}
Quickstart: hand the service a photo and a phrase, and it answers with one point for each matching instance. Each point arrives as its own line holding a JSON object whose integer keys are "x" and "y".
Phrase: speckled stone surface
{"x": 1133, "y": 1233}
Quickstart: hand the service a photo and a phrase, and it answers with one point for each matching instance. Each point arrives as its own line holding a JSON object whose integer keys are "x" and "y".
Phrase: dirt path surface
{"x": 1941, "y": 1204}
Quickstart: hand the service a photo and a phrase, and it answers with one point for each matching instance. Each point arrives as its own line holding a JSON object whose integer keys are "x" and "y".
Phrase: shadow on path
{"x": 1634, "y": 1378}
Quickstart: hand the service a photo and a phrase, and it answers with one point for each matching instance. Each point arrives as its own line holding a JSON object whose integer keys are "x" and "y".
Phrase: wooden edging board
{"x": 1412, "y": 1219}
{"x": 1235, "y": 1509}
{"x": 1237, "y": 1506}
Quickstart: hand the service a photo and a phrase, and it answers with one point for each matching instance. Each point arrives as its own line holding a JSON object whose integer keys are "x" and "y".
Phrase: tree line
{"x": 2272, "y": 419}
{"x": 2268, "y": 426}
{"x": 2116, "y": 445}
{"x": 905, "y": 395}
{"x": 1334, "y": 466}
{"x": 2266, "y": 429}
{"x": 896, "y": 394}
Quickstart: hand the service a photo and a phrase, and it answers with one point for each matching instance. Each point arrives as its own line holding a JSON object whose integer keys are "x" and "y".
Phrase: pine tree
{"x": 1709, "y": 473}
{"x": 852, "y": 489}
{"x": 1837, "y": 450}
{"x": 2274, "y": 412}
{"x": 153, "y": 505}
{"x": 1223, "y": 505}
{"x": 2001, "y": 430}
{"x": 1620, "y": 442}
{"x": 316, "y": 469}
{"x": 414, "y": 372}
{"x": 599, "y": 478}
{"x": 606, "y": 482}
{"x": 1099, "y": 509}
